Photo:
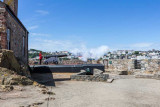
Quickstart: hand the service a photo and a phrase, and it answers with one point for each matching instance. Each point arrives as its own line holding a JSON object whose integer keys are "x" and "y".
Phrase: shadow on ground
{"x": 61, "y": 79}
{"x": 43, "y": 76}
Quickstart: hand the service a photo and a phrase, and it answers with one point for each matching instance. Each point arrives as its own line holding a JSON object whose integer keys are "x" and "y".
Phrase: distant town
{"x": 118, "y": 54}
{"x": 131, "y": 54}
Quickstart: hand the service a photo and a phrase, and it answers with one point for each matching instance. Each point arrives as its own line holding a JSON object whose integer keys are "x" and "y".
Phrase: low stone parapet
{"x": 157, "y": 76}
{"x": 83, "y": 77}
{"x": 96, "y": 78}
{"x": 148, "y": 76}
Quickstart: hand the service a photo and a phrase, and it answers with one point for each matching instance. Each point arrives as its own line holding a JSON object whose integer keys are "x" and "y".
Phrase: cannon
{"x": 53, "y": 58}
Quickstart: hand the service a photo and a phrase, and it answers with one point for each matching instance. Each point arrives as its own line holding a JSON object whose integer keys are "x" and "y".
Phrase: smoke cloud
{"x": 94, "y": 53}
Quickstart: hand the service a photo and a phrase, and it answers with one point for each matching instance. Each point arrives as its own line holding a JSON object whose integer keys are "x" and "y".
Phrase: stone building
{"x": 13, "y": 34}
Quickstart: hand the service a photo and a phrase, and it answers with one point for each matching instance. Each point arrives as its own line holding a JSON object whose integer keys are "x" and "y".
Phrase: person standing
{"x": 40, "y": 57}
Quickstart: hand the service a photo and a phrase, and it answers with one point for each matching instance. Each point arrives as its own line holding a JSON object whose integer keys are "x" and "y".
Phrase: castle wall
{"x": 18, "y": 34}
{"x": 146, "y": 65}
{"x": 3, "y": 36}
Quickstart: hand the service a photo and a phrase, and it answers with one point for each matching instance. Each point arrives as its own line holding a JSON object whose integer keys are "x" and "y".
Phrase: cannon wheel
{"x": 56, "y": 62}
{"x": 46, "y": 63}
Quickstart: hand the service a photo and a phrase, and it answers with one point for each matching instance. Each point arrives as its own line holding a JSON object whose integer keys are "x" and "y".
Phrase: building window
{"x": 137, "y": 64}
{"x": 8, "y": 39}
{"x": 23, "y": 46}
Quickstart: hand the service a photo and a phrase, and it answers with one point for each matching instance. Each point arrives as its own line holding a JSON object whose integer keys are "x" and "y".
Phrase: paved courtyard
{"x": 120, "y": 93}
{"x": 128, "y": 92}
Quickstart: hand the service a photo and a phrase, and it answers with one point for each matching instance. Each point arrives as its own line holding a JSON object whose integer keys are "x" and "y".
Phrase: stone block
{"x": 97, "y": 77}
{"x": 2, "y": 10}
{"x": 157, "y": 76}
{"x": 7, "y": 88}
{"x": 97, "y": 72}
{"x": 110, "y": 80}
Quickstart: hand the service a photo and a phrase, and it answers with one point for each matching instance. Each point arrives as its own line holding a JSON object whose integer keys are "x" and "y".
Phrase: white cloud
{"x": 33, "y": 27}
{"x": 138, "y": 46}
{"x": 50, "y": 45}
{"x": 42, "y": 12}
{"x": 39, "y": 34}
{"x": 142, "y": 45}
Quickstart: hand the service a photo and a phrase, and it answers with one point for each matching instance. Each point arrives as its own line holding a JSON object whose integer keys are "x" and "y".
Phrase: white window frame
{"x": 23, "y": 45}
{"x": 8, "y": 39}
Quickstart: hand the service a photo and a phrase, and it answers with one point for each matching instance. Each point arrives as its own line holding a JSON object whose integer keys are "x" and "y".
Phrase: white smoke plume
{"x": 94, "y": 53}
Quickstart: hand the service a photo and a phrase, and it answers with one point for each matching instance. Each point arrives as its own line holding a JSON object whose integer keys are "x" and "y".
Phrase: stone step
{"x": 110, "y": 80}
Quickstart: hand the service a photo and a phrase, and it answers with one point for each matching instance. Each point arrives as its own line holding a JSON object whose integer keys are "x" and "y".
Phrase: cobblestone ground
{"x": 120, "y": 93}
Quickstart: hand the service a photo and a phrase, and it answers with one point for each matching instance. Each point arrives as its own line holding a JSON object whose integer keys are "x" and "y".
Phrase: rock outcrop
{"x": 8, "y": 60}
{"x": 9, "y": 77}
{"x": 11, "y": 72}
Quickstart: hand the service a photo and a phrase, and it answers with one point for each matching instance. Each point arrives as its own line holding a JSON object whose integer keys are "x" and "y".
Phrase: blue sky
{"x": 56, "y": 25}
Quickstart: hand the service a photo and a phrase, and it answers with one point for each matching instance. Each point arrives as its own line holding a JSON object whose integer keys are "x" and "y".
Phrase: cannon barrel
{"x": 49, "y": 56}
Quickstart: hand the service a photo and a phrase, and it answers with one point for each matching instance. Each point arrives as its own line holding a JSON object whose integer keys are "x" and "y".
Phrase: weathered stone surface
{"x": 123, "y": 73}
{"x": 50, "y": 93}
{"x": 97, "y": 72}
{"x": 7, "y": 88}
{"x": 18, "y": 33}
{"x": 147, "y": 66}
{"x": 157, "y": 76}
{"x": 42, "y": 86}
{"x": 2, "y": 10}
{"x": 13, "y": 5}
{"x": 9, "y": 77}
{"x": 97, "y": 77}
{"x": 45, "y": 91}
{"x": 110, "y": 80}
{"x": 16, "y": 80}
{"x": 51, "y": 98}
{"x": 9, "y": 61}
{"x": 9, "y": 64}
{"x": 21, "y": 80}
{"x": 148, "y": 76}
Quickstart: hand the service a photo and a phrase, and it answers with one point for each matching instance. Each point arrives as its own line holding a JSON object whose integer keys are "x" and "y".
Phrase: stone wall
{"x": 146, "y": 65}
{"x": 120, "y": 65}
{"x": 152, "y": 65}
{"x": 13, "y": 4}
{"x": 17, "y": 34}
{"x": 9, "y": 61}
{"x": 11, "y": 72}
{"x": 3, "y": 36}
{"x": 8, "y": 20}
{"x": 96, "y": 78}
